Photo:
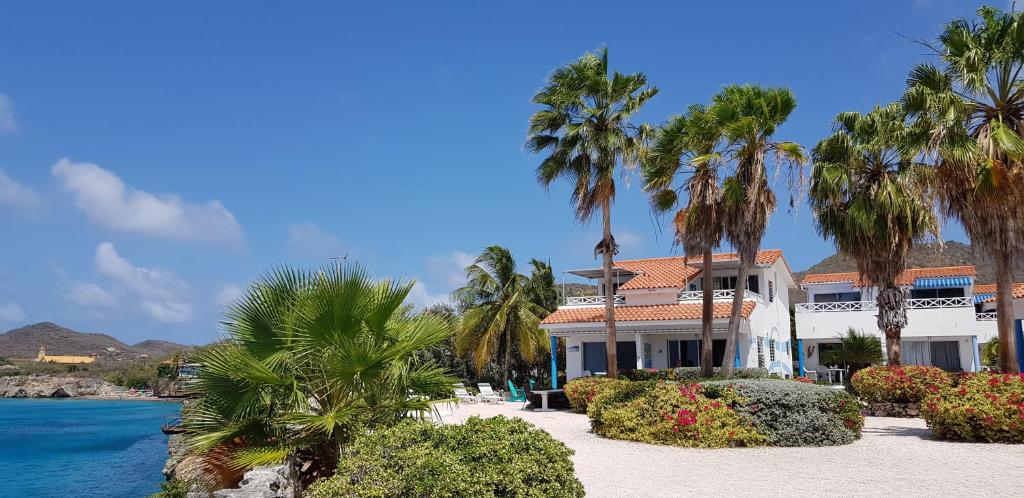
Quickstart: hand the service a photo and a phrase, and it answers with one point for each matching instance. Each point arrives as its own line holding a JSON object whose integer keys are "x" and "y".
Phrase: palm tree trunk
{"x": 610, "y": 342}
{"x": 892, "y": 317}
{"x": 733, "y": 337}
{"x": 508, "y": 358}
{"x": 707, "y": 361}
{"x": 1004, "y": 316}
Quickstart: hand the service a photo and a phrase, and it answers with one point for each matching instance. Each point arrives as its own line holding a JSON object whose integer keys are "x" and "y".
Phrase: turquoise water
{"x": 70, "y": 448}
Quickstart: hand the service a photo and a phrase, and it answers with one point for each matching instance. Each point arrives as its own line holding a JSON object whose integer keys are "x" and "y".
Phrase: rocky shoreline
{"x": 49, "y": 386}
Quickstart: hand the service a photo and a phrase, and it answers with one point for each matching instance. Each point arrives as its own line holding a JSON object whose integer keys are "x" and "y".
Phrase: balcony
{"x": 718, "y": 295}
{"x": 989, "y": 316}
{"x": 592, "y": 300}
{"x": 912, "y": 304}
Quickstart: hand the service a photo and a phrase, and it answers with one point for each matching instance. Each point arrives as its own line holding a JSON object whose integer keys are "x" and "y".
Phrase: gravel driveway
{"x": 895, "y": 457}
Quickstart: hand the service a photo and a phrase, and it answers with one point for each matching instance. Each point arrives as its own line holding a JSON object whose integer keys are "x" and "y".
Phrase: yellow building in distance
{"x": 67, "y": 360}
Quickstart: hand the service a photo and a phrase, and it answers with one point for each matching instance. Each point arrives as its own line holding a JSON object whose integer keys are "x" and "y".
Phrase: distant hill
{"x": 923, "y": 256}
{"x": 24, "y": 342}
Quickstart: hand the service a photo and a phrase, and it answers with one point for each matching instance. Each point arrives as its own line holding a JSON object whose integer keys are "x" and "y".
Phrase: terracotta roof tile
{"x": 657, "y": 273}
{"x": 906, "y": 278}
{"x": 1018, "y": 291}
{"x": 984, "y": 289}
{"x": 686, "y": 311}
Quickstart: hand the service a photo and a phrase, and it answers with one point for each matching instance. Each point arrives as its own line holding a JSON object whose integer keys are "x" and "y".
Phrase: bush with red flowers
{"x": 899, "y": 384}
{"x": 581, "y": 391}
{"x": 982, "y": 407}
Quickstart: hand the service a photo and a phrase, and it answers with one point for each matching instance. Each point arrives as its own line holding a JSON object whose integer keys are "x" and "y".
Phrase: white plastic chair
{"x": 488, "y": 395}
{"x": 463, "y": 395}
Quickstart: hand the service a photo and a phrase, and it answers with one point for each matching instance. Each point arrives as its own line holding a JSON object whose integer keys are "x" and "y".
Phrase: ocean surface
{"x": 75, "y": 447}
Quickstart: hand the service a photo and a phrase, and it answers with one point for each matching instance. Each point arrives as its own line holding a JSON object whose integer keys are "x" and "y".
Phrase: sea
{"x": 82, "y": 448}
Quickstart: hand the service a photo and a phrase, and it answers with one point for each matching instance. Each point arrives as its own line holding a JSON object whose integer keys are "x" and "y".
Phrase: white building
{"x": 658, "y": 315}
{"x": 946, "y": 320}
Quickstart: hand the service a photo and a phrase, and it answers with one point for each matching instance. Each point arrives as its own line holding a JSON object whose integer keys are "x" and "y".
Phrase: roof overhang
{"x": 599, "y": 272}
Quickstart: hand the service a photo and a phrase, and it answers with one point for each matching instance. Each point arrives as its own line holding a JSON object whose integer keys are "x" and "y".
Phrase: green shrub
{"x": 691, "y": 374}
{"x": 583, "y": 389}
{"x": 674, "y": 414}
{"x": 794, "y": 413}
{"x": 899, "y": 384}
{"x": 483, "y": 457}
{"x": 611, "y": 394}
{"x": 983, "y": 407}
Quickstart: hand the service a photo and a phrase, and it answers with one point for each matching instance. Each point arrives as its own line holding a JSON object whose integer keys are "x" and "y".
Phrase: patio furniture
{"x": 808, "y": 373}
{"x": 517, "y": 395}
{"x": 463, "y": 395}
{"x": 488, "y": 395}
{"x": 544, "y": 399}
{"x": 838, "y": 370}
{"x": 823, "y": 373}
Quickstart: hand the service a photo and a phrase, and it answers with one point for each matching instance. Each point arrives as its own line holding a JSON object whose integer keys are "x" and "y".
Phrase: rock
{"x": 46, "y": 386}
{"x": 262, "y": 482}
{"x": 901, "y": 410}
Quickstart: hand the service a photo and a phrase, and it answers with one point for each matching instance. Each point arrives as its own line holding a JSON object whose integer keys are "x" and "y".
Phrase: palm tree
{"x": 691, "y": 141}
{"x": 856, "y": 350}
{"x": 586, "y": 126}
{"x": 541, "y": 286}
{"x": 974, "y": 105}
{"x": 872, "y": 197}
{"x": 312, "y": 360}
{"x": 749, "y": 116}
{"x": 500, "y": 317}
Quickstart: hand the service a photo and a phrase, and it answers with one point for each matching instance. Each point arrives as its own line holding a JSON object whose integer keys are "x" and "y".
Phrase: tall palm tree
{"x": 974, "y": 105}
{"x": 500, "y": 317}
{"x": 541, "y": 286}
{"x": 586, "y": 127}
{"x": 749, "y": 116}
{"x": 872, "y": 197}
{"x": 689, "y": 143}
{"x": 312, "y": 360}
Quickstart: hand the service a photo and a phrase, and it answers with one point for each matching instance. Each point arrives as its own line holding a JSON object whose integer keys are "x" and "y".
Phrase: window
{"x": 771, "y": 350}
{"x": 837, "y": 297}
{"x": 760, "y": 353}
{"x": 936, "y": 293}
{"x": 595, "y": 359}
{"x": 752, "y": 284}
{"x": 687, "y": 353}
{"x": 771, "y": 291}
{"x": 723, "y": 283}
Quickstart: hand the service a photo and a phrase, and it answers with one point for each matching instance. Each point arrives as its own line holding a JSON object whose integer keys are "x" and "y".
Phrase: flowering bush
{"x": 793, "y": 413}
{"x": 983, "y": 407}
{"x": 899, "y": 384}
{"x": 691, "y": 374}
{"x": 673, "y": 414}
{"x": 582, "y": 390}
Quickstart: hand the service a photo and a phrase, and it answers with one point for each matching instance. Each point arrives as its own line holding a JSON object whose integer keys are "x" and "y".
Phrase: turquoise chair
{"x": 515, "y": 394}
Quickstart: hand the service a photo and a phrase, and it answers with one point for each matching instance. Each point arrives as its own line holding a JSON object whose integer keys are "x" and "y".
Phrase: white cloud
{"x": 162, "y": 295}
{"x": 90, "y": 294}
{"x": 11, "y": 313}
{"x": 421, "y": 298}
{"x": 310, "y": 241}
{"x": 108, "y": 202}
{"x": 451, "y": 268}
{"x": 15, "y": 194}
{"x": 227, "y": 295}
{"x": 7, "y": 121}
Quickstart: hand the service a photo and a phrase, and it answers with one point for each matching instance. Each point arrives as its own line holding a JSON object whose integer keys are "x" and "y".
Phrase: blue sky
{"x": 156, "y": 156}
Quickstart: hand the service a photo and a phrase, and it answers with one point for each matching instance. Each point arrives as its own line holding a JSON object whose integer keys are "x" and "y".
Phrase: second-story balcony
{"x": 928, "y": 303}
{"x": 718, "y": 295}
{"x": 591, "y": 300}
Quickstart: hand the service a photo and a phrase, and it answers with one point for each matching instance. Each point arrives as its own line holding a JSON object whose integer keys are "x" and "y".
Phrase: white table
{"x": 544, "y": 399}
{"x": 840, "y": 370}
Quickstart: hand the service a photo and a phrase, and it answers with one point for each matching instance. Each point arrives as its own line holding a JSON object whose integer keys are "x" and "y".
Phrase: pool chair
{"x": 463, "y": 395}
{"x": 517, "y": 395}
{"x": 487, "y": 395}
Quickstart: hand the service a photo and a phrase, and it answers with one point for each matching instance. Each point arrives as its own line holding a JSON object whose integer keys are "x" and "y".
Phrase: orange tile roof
{"x": 675, "y": 271}
{"x": 906, "y": 278}
{"x": 686, "y": 311}
{"x": 1018, "y": 291}
{"x": 984, "y": 289}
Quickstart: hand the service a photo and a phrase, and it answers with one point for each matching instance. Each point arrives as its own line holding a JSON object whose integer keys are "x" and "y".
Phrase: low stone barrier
{"x": 901, "y": 410}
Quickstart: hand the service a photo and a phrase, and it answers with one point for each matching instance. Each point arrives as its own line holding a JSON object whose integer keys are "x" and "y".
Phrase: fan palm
{"x": 586, "y": 127}
{"x": 312, "y": 360}
{"x": 872, "y": 197}
{"x": 856, "y": 350}
{"x": 749, "y": 116}
{"x": 974, "y": 105}
{"x": 689, "y": 143}
{"x": 500, "y": 317}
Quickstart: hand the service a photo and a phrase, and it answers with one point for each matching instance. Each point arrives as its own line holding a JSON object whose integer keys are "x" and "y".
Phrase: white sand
{"x": 895, "y": 457}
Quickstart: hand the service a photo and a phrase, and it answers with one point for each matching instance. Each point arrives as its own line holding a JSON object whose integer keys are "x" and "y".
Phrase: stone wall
{"x": 902, "y": 410}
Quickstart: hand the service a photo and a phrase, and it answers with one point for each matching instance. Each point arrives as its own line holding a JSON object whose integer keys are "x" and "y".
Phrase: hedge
{"x": 482, "y": 457}
{"x": 692, "y": 374}
{"x": 899, "y": 384}
{"x": 581, "y": 391}
{"x": 794, "y": 413}
{"x": 983, "y": 407}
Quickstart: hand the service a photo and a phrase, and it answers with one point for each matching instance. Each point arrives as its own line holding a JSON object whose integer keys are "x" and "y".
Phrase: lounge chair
{"x": 463, "y": 395}
{"x": 518, "y": 395}
{"x": 487, "y": 394}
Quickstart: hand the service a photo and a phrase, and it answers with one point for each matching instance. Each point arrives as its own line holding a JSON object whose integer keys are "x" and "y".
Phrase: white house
{"x": 658, "y": 315}
{"x": 946, "y": 320}
{"x": 988, "y": 305}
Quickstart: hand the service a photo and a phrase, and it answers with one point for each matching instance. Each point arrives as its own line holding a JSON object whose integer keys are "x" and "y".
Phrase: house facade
{"x": 946, "y": 316}
{"x": 658, "y": 309}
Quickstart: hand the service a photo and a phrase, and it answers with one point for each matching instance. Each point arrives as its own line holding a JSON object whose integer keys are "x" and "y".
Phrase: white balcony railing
{"x": 591, "y": 300}
{"x": 927, "y": 303}
{"x": 986, "y": 317}
{"x": 718, "y": 295}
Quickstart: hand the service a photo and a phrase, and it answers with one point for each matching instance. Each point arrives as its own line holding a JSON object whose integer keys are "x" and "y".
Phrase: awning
{"x": 981, "y": 297}
{"x": 936, "y": 283}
